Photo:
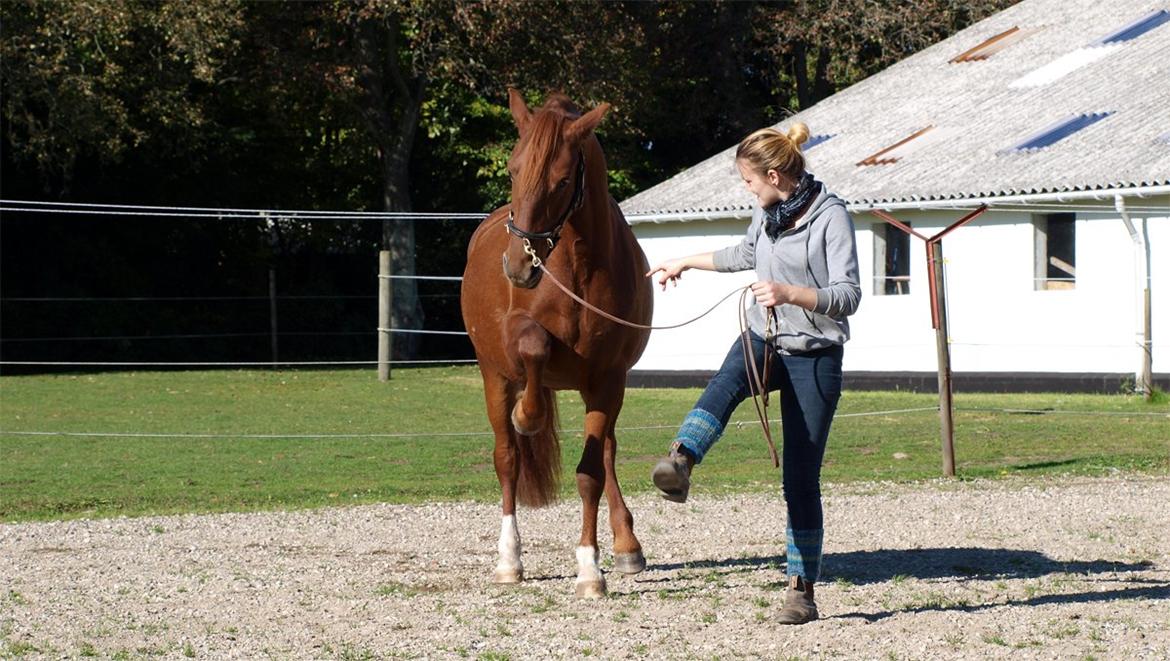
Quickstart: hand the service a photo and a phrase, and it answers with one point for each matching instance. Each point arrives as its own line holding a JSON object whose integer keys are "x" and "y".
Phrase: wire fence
{"x": 732, "y": 425}
{"x": 213, "y": 329}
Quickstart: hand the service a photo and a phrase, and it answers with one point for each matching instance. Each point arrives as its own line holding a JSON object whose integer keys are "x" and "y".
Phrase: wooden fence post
{"x": 385, "y": 305}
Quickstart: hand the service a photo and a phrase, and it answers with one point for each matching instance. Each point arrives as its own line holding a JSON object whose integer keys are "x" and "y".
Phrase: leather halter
{"x": 553, "y": 235}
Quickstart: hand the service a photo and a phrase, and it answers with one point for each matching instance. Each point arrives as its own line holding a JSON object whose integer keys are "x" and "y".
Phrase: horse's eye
{"x": 562, "y": 183}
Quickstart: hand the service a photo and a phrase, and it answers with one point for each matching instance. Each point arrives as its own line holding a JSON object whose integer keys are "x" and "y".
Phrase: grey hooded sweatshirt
{"x": 819, "y": 252}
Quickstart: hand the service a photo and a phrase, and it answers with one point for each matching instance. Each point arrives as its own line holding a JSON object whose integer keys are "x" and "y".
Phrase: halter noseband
{"x": 553, "y": 235}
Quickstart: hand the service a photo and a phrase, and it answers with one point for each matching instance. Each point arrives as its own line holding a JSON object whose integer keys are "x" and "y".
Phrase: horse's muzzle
{"x": 524, "y": 278}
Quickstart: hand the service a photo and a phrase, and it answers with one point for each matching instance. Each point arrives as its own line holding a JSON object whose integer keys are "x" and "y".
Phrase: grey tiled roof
{"x": 980, "y": 110}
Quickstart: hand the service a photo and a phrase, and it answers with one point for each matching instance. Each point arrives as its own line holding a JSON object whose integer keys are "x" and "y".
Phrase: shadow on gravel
{"x": 973, "y": 564}
{"x": 960, "y": 564}
{"x": 1158, "y": 591}
{"x": 952, "y": 565}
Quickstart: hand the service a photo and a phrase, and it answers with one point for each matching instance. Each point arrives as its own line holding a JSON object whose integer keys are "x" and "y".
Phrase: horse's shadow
{"x": 950, "y": 565}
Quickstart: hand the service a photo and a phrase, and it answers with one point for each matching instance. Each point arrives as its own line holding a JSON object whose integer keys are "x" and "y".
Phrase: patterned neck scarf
{"x": 781, "y": 216}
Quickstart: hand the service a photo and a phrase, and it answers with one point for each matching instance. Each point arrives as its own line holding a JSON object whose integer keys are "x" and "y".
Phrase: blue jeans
{"x": 810, "y": 386}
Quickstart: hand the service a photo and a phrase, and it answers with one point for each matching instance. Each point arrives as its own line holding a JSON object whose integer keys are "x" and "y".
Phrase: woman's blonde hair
{"x": 769, "y": 149}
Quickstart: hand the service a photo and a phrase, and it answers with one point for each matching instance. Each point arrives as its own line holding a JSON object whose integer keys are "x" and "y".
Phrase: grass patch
{"x": 436, "y": 443}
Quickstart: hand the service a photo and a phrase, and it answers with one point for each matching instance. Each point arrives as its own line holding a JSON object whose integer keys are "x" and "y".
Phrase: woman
{"x": 801, "y": 244}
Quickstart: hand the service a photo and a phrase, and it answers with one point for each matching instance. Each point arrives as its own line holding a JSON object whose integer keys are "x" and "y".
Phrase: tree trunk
{"x": 398, "y": 235}
{"x": 800, "y": 73}
{"x": 387, "y": 90}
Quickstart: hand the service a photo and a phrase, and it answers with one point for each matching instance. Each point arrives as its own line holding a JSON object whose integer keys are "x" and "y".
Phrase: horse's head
{"x": 548, "y": 180}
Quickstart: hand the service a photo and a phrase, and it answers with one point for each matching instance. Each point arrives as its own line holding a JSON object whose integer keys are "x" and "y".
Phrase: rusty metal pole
{"x": 942, "y": 343}
{"x": 938, "y": 319}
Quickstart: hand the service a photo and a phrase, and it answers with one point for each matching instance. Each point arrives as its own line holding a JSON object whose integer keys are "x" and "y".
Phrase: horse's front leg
{"x": 590, "y": 483}
{"x": 531, "y": 344}
{"x": 627, "y": 550}
{"x": 499, "y": 399}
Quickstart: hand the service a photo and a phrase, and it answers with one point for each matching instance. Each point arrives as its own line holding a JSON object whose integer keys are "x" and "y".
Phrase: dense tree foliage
{"x": 394, "y": 105}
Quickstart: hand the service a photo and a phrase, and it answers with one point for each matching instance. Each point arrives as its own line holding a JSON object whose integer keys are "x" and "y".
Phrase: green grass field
{"x": 246, "y": 440}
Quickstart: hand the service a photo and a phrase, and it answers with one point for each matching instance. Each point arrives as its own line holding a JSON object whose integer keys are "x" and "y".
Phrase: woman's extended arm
{"x": 672, "y": 268}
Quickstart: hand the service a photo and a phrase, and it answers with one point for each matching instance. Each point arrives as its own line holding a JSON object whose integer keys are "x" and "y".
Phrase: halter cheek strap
{"x": 553, "y": 235}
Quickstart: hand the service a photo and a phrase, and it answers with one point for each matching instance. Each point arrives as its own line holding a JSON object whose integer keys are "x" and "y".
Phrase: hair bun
{"x": 798, "y": 133}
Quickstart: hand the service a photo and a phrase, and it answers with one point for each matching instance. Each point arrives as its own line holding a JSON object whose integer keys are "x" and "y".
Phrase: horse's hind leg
{"x": 499, "y": 401}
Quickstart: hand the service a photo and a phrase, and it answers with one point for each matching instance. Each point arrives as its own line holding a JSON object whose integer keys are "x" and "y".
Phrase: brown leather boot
{"x": 672, "y": 474}
{"x": 799, "y": 606}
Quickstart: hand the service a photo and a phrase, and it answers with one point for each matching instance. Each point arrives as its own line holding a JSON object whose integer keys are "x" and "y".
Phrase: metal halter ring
{"x": 531, "y": 252}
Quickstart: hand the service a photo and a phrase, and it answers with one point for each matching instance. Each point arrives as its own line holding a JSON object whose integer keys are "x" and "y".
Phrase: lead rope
{"x": 536, "y": 261}
{"x": 758, "y": 382}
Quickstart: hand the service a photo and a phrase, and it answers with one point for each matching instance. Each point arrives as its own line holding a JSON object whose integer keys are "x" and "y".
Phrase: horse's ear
{"x": 520, "y": 112}
{"x": 584, "y": 125}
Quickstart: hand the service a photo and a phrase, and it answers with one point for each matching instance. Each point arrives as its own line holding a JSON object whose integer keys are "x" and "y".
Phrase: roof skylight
{"x": 1081, "y": 57}
{"x": 1137, "y": 28}
{"x": 1058, "y": 131}
{"x": 993, "y": 45}
{"x": 815, "y": 140}
{"x": 923, "y": 137}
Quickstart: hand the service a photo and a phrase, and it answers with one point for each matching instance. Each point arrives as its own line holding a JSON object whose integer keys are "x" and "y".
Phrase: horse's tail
{"x": 540, "y": 458}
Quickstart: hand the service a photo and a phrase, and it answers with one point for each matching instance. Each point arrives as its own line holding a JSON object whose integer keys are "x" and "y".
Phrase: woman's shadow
{"x": 956, "y": 565}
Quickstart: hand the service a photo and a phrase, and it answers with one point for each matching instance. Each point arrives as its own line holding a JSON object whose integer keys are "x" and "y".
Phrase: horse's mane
{"x": 544, "y": 138}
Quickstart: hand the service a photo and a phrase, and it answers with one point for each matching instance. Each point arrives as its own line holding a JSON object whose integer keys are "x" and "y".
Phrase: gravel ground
{"x": 1039, "y": 569}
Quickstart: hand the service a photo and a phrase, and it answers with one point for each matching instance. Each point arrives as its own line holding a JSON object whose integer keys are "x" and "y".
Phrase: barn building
{"x": 1055, "y": 114}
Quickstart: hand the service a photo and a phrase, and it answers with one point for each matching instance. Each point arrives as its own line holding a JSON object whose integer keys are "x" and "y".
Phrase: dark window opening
{"x": 1056, "y": 251}
{"x": 891, "y": 261}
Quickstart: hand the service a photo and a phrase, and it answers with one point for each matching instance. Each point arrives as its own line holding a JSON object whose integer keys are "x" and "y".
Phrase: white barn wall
{"x": 998, "y": 321}
{"x": 703, "y": 344}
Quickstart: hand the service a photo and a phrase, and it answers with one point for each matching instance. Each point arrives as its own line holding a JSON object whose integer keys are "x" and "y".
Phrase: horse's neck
{"x": 593, "y": 222}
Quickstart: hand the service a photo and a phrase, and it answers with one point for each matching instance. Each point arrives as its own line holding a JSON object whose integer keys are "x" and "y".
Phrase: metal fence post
{"x": 942, "y": 343}
{"x": 938, "y": 319}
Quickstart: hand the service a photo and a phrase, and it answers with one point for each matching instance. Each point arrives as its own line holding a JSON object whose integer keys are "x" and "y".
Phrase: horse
{"x": 531, "y": 339}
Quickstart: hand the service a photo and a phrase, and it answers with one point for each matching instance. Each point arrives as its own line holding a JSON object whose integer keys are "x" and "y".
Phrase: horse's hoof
{"x": 524, "y": 428}
{"x": 508, "y": 576}
{"x": 629, "y": 563}
{"x": 591, "y": 589}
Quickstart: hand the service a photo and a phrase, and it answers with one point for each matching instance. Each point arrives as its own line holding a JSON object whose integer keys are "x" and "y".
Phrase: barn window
{"x": 1056, "y": 251}
{"x": 891, "y": 261}
{"x": 993, "y": 45}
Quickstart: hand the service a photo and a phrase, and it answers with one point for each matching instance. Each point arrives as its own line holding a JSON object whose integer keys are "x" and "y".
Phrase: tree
{"x": 101, "y": 79}
{"x": 826, "y": 45}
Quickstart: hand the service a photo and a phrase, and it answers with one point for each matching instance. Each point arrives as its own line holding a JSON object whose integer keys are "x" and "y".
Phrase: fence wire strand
{"x": 737, "y": 424}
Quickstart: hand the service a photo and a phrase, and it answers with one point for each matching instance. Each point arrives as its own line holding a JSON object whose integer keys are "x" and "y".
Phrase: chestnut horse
{"x": 531, "y": 339}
